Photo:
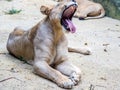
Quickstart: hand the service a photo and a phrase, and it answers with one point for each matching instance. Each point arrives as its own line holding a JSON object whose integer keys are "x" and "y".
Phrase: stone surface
{"x": 101, "y": 70}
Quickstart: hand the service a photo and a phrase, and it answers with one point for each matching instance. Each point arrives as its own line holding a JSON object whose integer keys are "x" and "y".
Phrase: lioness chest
{"x": 47, "y": 46}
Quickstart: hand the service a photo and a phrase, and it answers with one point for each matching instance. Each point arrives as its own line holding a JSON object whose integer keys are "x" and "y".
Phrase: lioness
{"x": 88, "y": 9}
{"x": 47, "y": 45}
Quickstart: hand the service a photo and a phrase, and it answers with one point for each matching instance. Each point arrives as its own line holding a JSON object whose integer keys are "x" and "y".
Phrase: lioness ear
{"x": 45, "y": 10}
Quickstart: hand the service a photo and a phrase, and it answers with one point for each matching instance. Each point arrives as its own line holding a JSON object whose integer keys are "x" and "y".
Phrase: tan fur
{"x": 85, "y": 51}
{"x": 46, "y": 45}
{"x": 88, "y": 9}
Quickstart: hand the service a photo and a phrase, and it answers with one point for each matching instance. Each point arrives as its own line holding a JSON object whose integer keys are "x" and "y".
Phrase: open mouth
{"x": 66, "y": 19}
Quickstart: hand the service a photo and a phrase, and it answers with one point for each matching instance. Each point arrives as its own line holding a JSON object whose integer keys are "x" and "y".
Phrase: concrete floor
{"x": 100, "y": 71}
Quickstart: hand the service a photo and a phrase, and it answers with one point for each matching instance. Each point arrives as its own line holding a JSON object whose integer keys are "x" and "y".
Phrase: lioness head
{"x": 63, "y": 12}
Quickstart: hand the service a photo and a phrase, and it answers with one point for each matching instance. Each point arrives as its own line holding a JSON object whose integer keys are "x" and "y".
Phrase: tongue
{"x": 71, "y": 26}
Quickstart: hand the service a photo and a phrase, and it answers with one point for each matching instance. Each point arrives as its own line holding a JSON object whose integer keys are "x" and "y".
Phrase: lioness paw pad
{"x": 67, "y": 84}
{"x": 75, "y": 78}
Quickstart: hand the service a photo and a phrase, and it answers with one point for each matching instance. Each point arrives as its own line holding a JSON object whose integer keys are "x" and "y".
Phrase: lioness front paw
{"x": 75, "y": 78}
{"x": 66, "y": 83}
{"x": 86, "y": 51}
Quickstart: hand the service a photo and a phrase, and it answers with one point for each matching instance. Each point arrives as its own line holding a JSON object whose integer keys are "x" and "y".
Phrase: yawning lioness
{"x": 46, "y": 45}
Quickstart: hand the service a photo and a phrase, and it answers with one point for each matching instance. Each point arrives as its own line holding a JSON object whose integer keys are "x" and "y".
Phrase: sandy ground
{"x": 100, "y": 71}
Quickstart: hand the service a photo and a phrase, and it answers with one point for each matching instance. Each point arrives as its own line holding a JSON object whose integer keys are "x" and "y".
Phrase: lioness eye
{"x": 65, "y": 6}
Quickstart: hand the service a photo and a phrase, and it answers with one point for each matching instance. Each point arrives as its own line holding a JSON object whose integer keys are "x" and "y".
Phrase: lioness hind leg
{"x": 70, "y": 70}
